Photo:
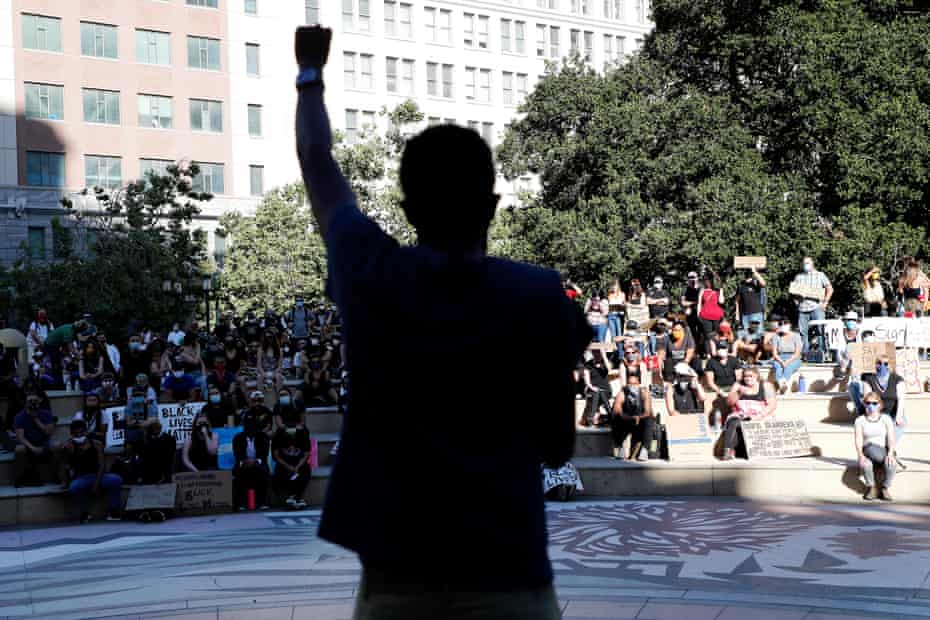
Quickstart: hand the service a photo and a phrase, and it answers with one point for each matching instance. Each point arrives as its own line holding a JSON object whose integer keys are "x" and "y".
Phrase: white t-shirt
{"x": 875, "y": 431}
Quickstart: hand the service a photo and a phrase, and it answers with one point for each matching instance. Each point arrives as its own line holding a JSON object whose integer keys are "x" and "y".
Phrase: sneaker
{"x": 301, "y": 504}
{"x": 335, "y": 449}
{"x": 886, "y": 495}
{"x": 851, "y": 407}
{"x": 114, "y": 515}
{"x": 643, "y": 455}
{"x": 291, "y": 502}
{"x": 729, "y": 455}
{"x": 782, "y": 386}
{"x": 264, "y": 507}
{"x": 617, "y": 454}
{"x": 871, "y": 494}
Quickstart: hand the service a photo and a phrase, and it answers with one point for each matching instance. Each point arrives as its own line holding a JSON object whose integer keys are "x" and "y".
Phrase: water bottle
{"x": 802, "y": 384}
{"x": 716, "y": 420}
{"x": 927, "y": 385}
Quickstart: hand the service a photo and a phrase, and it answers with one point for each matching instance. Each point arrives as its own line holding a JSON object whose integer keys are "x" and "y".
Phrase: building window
{"x": 157, "y": 167}
{"x": 447, "y": 81}
{"x": 44, "y": 101}
{"x": 99, "y": 40}
{"x": 608, "y": 49}
{"x": 41, "y": 33}
{"x": 356, "y": 15}
{"x": 506, "y": 35}
{"x": 468, "y": 29}
{"x": 484, "y": 86}
{"x": 104, "y": 172}
{"x": 155, "y": 111}
{"x": 209, "y": 179}
{"x": 581, "y": 7}
{"x": 588, "y": 46}
{"x": 621, "y": 47}
{"x": 398, "y": 19}
{"x": 312, "y": 12}
{"x": 366, "y": 72}
{"x": 251, "y": 59}
{"x": 641, "y": 11}
{"x": 153, "y": 48}
{"x": 255, "y": 120}
{"x": 210, "y": 4}
{"x": 368, "y": 120}
{"x": 522, "y": 86}
{"x": 206, "y": 115}
{"x": 390, "y": 74}
{"x": 438, "y": 24}
{"x": 475, "y": 126}
{"x": 256, "y": 180}
{"x": 407, "y": 73}
{"x": 552, "y": 5}
{"x": 357, "y": 70}
{"x": 554, "y": 42}
{"x": 471, "y": 83}
{"x": 574, "y": 41}
{"x": 432, "y": 121}
{"x": 507, "y": 86}
{"x": 348, "y": 69}
{"x": 101, "y": 106}
{"x": 219, "y": 247}
{"x": 519, "y": 31}
{"x": 487, "y": 132}
{"x": 613, "y": 9}
{"x": 251, "y": 7}
{"x": 37, "y": 242}
{"x": 540, "y": 40}
{"x": 351, "y": 126}
{"x": 203, "y": 53}
{"x": 45, "y": 169}
{"x": 448, "y": 121}
{"x": 483, "y": 29}
{"x": 432, "y": 79}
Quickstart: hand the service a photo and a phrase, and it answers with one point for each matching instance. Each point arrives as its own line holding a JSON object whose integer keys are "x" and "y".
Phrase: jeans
{"x": 615, "y": 325}
{"x": 876, "y": 455}
{"x": 82, "y": 486}
{"x": 855, "y": 395}
{"x": 622, "y": 426}
{"x": 731, "y": 432}
{"x": 285, "y": 487}
{"x": 600, "y": 332}
{"x": 746, "y": 319}
{"x": 594, "y": 402}
{"x": 452, "y": 603}
{"x": 786, "y": 371}
{"x": 804, "y": 319}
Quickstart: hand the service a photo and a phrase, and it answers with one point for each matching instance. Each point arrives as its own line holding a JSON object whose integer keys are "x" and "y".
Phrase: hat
{"x": 663, "y": 321}
{"x": 692, "y": 275}
{"x": 851, "y": 316}
{"x": 682, "y": 368}
{"x": 657, "y": 280}
{"x": 256, "y": 394}
{"x": 725, "y": 326}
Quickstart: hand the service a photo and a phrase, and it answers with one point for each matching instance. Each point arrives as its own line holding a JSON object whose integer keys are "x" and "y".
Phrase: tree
{"x": 114, "y": 251}
{"x": 773, "y": 127}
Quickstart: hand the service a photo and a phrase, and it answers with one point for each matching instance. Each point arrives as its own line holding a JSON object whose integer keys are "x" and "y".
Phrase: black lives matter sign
{"x": 776, "y": 439}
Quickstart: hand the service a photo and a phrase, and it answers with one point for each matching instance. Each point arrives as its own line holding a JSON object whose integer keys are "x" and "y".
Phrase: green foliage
{"x": 772, "y": 127}
{"x": 115, "y": 252}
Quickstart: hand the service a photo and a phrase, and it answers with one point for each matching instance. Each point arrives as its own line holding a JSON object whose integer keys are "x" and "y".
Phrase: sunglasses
{"x": 882, "y": 364}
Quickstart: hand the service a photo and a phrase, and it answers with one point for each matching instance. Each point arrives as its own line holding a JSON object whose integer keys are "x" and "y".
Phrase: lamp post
{"x": 207, "y": 287}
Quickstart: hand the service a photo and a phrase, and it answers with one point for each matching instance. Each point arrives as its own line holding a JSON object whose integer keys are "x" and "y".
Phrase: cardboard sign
{"x": 807, "y": 292}
{"x": 689, "y": 437}
{"x": 910, "y": 370}
{"x": 864, "y": 354}
{"x": 116, "y": 427}
{"x": 152, "y": 497}
{"x": 204, "y": 491}
{"x": 177, "y": 419}
{"x": 918, "y": 333}
{"x": 776, "y": 439}
{"x": 749, "y": 262}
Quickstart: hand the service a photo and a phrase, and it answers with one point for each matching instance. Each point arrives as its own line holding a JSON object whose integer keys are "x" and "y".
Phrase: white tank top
{"x": 874, "y": 432}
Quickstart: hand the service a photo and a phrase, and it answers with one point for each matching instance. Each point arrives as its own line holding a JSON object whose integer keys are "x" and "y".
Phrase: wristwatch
{"x": 309, "y": 76}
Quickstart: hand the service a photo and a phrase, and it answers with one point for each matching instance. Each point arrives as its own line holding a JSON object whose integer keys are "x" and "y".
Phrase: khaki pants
{"x": 448, "y": 604}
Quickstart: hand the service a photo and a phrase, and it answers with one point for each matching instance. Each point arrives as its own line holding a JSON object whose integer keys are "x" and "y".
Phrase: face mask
{"x": 677, "y": 334}
{"x": 808, "y": 267}
{"x": 872, "y": 407}
{"x": 850, "y": 325}
{"x": 783, "y": 329}
{"x": 79, "y": 440}
{"x": 178, "y": 373}
{"x": 285, "y": 400}
{"x": 882, "y": 371}
{"x": 135, "y": 346}
{"x": 631, "y": 357}
{"x": 684, "y": 384}
{"x": 291, "y": 431}
{"x": 722, "y": 353}
{"x": 107, "y": 384}
{"x": 216, "y": 399}
{"x": 657, "y": 285}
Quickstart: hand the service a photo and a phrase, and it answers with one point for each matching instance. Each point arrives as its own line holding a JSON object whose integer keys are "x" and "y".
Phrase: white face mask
{"x": 808, "y": 267}
{"x": 79, "y": 440}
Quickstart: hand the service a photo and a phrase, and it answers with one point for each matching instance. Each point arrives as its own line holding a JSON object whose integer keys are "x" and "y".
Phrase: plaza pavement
{"x": 715, "y": 559}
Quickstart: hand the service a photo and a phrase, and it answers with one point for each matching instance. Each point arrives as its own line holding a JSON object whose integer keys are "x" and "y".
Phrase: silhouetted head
{"x": 447, "y": 177}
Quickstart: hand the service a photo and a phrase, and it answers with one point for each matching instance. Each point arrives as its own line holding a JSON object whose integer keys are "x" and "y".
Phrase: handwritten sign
{"x": 204, "y": 491}
{"x": 910, "y": 370}
{"x": 177, "y": 419}
{"x": 918, "y": 333}
{"x": 151, "y": 497}
{"x": 116, "y": 426}
{"x": 864, "y": 354}
{"x": 807, "y": 292}
{"x": 689, "y": 437}
{"x": 776, "y": 439}
{"x": 749, "y": 262}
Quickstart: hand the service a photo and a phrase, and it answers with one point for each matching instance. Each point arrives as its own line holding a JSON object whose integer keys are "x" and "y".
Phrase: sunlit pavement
{"x": 647, "y": 559}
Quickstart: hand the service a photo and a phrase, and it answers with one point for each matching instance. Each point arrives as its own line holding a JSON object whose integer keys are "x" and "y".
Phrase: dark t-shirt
{"x": 292, "y": 447}
{"x": 749, "y": 295}
{"x": 600, "y": 376}
{"x": 677, "y": 352}
{"x": 724, "y": 374}
{"x": 34, "y": 435}
{"x": 691, "y": 294}
{"x": 454, "y": 315}
{"x": 658, "y": 310}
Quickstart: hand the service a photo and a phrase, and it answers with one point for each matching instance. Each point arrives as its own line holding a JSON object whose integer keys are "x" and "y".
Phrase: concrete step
{"x": 807, "y": 479}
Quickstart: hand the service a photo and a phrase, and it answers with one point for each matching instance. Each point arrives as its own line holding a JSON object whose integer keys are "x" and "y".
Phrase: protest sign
{"x": 864, "y": 354}
{"x": 909, "y": 369}
{"x": 807, "y": 292}
{"x": 749, "y": 262}
{"x": 918, "y": 333}
{"x": 177, "y": 419}
{"x": 204, "y": 491}
{"x": 151, "y": 497}
{"x": 689, "y": 437}
{"x": 225, "y": 457}
{"x": 116, "y": 426}
{"x": 776, "y": 439}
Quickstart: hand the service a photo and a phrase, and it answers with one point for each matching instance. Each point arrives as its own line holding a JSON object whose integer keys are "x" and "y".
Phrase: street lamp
{"x": 207, "y": 286}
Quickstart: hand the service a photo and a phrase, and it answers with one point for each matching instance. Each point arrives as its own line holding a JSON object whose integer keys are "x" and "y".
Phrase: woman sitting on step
{"x": 890, "y": 389}
{"x": 875, "y": 445}
{"x": 750, "y": 400}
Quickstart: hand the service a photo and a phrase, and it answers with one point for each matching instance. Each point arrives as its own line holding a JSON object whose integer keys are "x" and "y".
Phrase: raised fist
{"x": 311, "y": 46}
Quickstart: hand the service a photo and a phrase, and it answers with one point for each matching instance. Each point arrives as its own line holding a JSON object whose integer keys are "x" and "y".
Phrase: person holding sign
{"x": 686, "y": 395}
{"x": 749, "y": 400}
{"x": 812, "y": 302}
{"x": 875, "y": 445}
{"x": 750, "y": 299}
{"x": 891, "y": 390}
{"x": 632, "y": 417}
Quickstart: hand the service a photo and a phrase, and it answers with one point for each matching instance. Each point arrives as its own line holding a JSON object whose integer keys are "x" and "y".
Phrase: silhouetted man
{"x": 438, "y": 485}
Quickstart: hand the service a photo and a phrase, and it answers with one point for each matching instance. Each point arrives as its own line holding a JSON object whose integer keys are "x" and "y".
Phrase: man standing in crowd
{"x": 38, "y": 332}
{"x": 658, "y": 299}
{"x": 458, "y": 306}
{"x": 689, "y": 302}
{"x": 750, "y": 301}
{"x": 299, "y": 319}
{"x": 811, "y": 306}
{"x": 61, "y": 337}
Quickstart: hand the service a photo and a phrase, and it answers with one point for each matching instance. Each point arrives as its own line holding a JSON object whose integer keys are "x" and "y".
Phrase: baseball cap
{"x": 256, "y": 394}
{"x": 682, "y": 368}
{"x": 692, "y": 275}
{"x": 851, "y": 316}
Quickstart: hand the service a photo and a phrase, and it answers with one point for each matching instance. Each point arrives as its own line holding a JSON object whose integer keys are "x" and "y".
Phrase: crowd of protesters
{"x": 702, "y": 350}
{"x": 298, "y": 357}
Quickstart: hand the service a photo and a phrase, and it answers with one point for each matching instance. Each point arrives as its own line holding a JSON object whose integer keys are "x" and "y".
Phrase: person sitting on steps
{"x": 875, "y": 445}
{"x": 597, "y": 387}
{"x": 891, "y": 390}
{"x": 686, "y": 394}
{"x": 750, "y": 400}
{"x": 633, "y": 417}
